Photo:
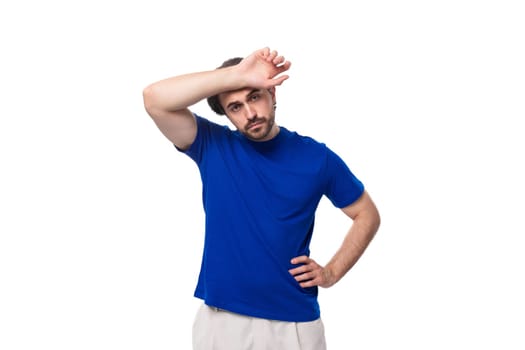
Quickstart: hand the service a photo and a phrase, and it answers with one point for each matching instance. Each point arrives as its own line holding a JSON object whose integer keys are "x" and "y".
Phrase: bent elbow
{"x": 375, "y": 217}
{"x": 377, "y": 221}
{"x": 148, "y": 96}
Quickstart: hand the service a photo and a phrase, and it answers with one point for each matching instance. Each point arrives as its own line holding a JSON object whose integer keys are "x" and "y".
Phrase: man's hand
{"x": 262, "y": 69}
{"x": 366, "y": 222}
{"x": 310, "y": 273}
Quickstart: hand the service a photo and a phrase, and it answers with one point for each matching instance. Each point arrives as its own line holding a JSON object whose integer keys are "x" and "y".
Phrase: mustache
{"x": 254, "y": 121}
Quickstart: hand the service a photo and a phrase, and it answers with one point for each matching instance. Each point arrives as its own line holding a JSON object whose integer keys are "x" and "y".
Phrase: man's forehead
{"x": 236, "y": 95}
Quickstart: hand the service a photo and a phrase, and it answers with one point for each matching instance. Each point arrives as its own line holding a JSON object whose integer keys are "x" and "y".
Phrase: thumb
{"x": 279, "y": 80}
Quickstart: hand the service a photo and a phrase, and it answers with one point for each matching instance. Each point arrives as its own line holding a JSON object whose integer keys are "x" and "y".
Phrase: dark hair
{"x": 213, "y": 101}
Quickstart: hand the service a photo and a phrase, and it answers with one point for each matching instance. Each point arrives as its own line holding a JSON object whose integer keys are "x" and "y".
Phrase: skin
{"x": 167, "y": 101}
{"x": 251, "y": 111}
{"x": 247, "y": 94}
{"x": 365, "y": 223}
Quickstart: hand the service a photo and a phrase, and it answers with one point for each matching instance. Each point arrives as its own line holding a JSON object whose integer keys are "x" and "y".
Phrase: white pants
{"x": 216, "y": 329}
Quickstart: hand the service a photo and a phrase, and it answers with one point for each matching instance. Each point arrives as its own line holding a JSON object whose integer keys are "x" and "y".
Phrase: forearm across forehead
{"x": 183, "y": 91}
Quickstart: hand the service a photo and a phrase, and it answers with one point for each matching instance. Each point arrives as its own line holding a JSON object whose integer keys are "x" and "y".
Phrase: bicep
{"x": 364, "y": 206}
{"x": 180, "y": 127}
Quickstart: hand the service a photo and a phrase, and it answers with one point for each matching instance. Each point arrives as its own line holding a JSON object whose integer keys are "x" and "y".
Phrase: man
{"x": 261, "y": 187}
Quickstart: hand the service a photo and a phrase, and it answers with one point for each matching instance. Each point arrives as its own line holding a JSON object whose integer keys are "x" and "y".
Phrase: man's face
{"x": 252, "y": 112}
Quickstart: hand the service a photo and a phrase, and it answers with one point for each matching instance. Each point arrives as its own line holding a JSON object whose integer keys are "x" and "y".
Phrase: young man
{"x": 261, "y": 186}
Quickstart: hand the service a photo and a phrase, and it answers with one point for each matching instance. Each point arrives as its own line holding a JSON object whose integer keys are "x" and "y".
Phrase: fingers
{"x": 275, "y": 58}
{"x": 268, "y": 54}
{"x": 309, "y": 274}
{"x": 265, "y": 52}
{"x": 279, "y": 80}
{"x": 303, "y": 259}
{"x": 267, "y": 66}
{"x": 272, "y": 56}
{"x": 278, "y": 60}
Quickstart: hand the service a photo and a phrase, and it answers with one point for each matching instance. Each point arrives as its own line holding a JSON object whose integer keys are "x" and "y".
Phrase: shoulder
{"x": 207, "y": 127}
{"x": 319, "y": 150}
{"x": 209, "y": 134}
{"x": 307, "y": 150}
{"x": 206, "y": 123}
{"x": 304, "y": 140}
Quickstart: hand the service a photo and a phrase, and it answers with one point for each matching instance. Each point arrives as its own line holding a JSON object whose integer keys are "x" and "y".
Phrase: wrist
{"x": 330, "y": 276}
{"x": 233, "y": 78}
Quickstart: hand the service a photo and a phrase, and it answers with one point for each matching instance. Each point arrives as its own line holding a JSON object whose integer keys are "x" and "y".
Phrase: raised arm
{"x": 167, "y": 101}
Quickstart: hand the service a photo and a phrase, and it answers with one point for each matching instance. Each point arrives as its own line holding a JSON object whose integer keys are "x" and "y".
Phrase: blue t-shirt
{"x": 259, "y": 201}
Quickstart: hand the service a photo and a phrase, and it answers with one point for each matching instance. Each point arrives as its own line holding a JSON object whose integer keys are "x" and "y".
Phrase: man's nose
{"x": 250, "y": 112}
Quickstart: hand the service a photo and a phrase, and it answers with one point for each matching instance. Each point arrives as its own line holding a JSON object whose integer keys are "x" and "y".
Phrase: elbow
{"x": 148, "y": 96}
{"x": 377, "y": 223}
{"x": 375, "y": 219}
{"x": 371, "y": 219}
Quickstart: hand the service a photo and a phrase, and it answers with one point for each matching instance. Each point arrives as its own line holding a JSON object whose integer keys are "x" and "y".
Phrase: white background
{"x": 101, "y": 220}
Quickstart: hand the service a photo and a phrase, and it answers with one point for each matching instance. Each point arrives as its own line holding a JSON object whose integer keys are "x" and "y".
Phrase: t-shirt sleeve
{"x": 205, "y": 133}
{"x": 196, "y": 148}
{"x": 342, "y": 187}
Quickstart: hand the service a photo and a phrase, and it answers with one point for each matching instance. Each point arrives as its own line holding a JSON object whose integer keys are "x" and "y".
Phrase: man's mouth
{"x": 255, "y": 124}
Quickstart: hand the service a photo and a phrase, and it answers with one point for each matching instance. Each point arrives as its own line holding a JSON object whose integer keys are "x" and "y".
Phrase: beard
{"x": 259, "y": 128}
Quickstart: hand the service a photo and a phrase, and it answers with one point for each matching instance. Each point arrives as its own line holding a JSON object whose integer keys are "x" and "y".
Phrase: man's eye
{"x": 234, "y": 108}
{"x": 254, "y": 97}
